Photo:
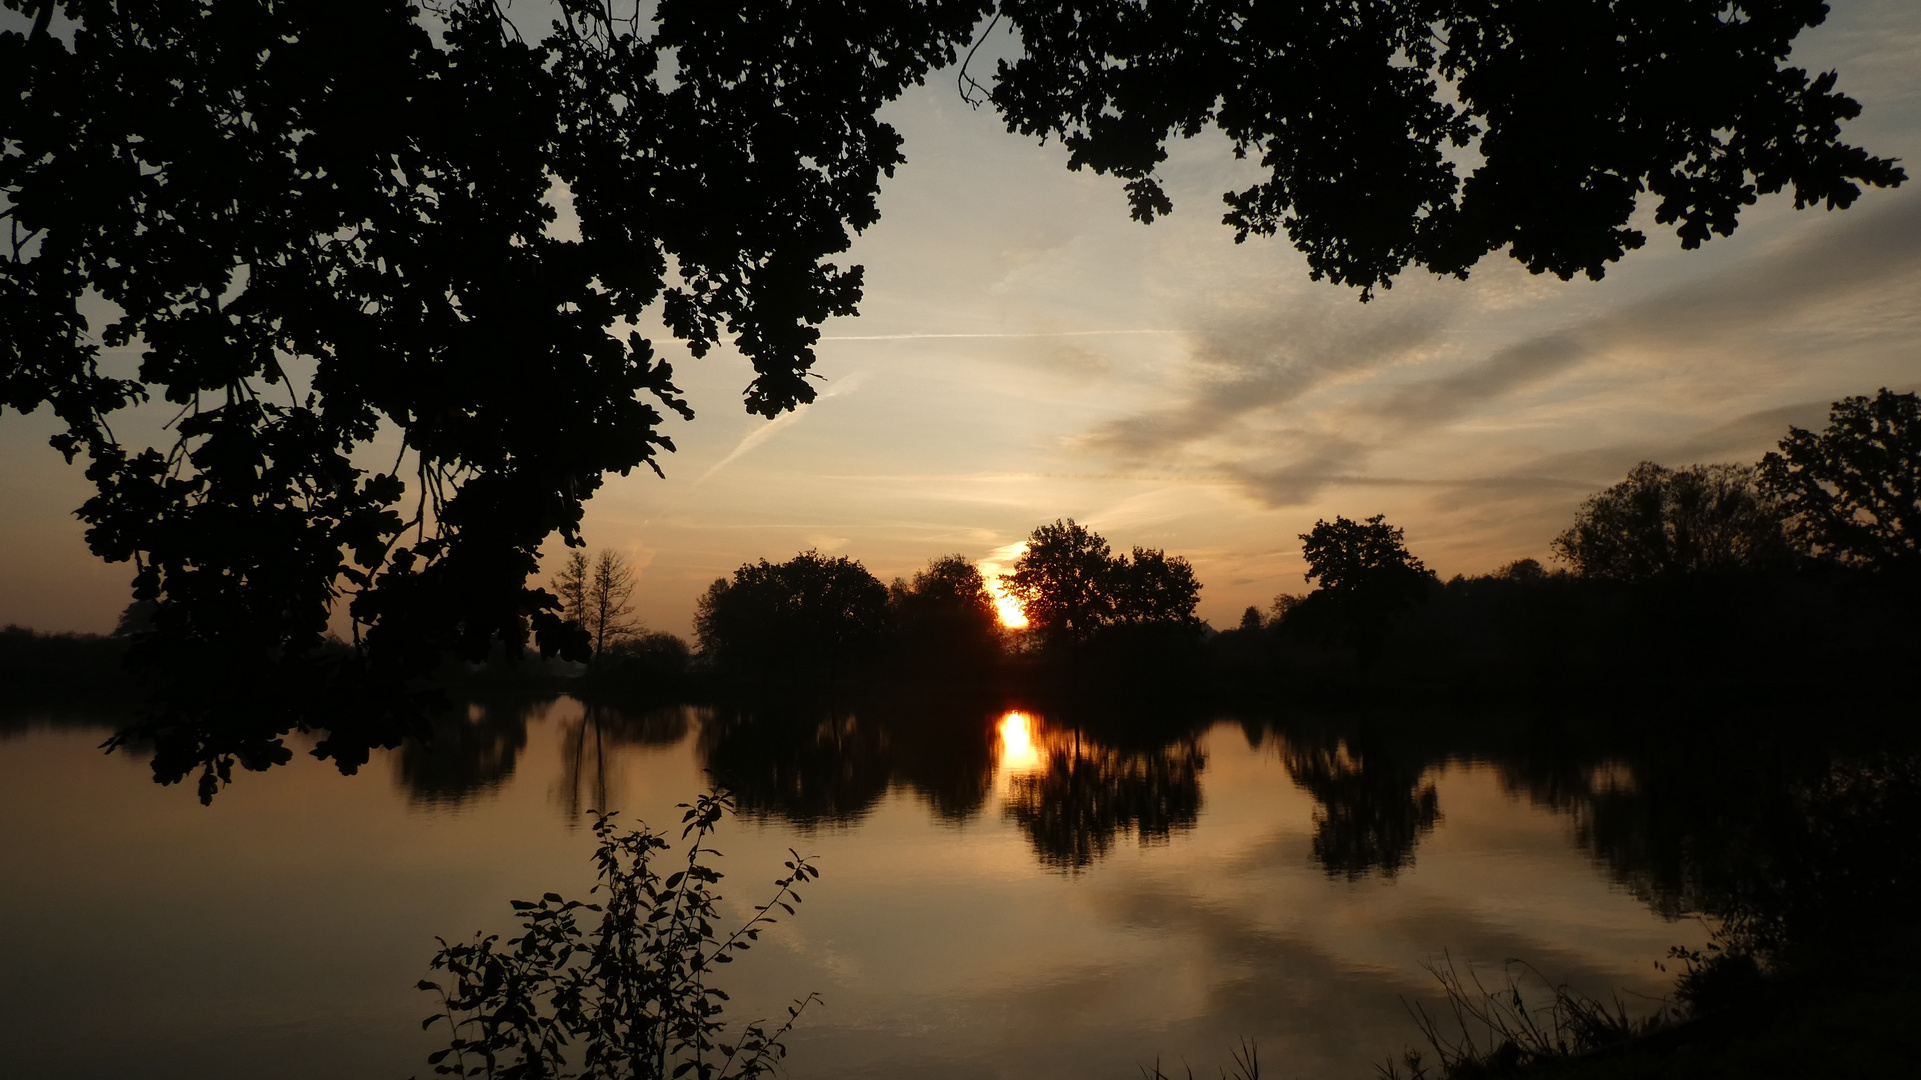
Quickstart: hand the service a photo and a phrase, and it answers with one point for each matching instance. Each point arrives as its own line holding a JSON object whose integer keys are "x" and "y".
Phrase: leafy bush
{"x": 633, "y": 992}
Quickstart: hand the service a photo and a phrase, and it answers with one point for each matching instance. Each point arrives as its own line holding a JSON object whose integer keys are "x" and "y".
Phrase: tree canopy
{"x": 1365, "y": 575}
{"x": 1852, "y": 493}
{"x": 810, "y": 617}
{"x": 333, "y": 231}
{"x": 1071, "y": 586}
{"x": 1661, "y": 522}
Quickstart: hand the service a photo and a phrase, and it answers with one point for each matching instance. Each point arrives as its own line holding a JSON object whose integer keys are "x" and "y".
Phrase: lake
{"x": 1002, "y": 894}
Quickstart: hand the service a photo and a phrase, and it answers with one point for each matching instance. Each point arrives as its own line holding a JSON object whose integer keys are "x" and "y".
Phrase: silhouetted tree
{"x": 1071, "y": 587}
{"x": 808, "y": 617}
{"x": 1250, "y": 620}
{"x": 570, "y": 585}
{"x": 373, "y": 191}
{"x": 1853, "y": 492}
{"x": 1152, "y": 589}
{"x": 1661, "y": 522}
{"x": 609, "y": 600}
{"x": 1064, "y": 582}
{"x": 1366, "y": 577}
{"x": 945, "y": 618}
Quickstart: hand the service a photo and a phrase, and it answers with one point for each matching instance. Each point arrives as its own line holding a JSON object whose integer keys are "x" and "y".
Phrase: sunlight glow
{"x": 1019, "y": 752}
{"x": 1009, "y": 609}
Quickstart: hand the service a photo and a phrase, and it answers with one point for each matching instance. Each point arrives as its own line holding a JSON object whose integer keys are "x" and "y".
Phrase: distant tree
{"x": 1250, "y": 620}
{"x": 570, "y": 585}
{"x": 808, "y": 617}
{"x": 1366, "y": 577}
{"x": 1072, "y": 587}
{"x": 1661, "y": 522}
{"x": 1522, "y": 570}
{"x": 1064, "y": 582}
{"x": 610, "y": 593}
{"x": 1852, "y": 493}
{"x": 1283, "y": 603}
{"x": 1151, "y": 589}
{"x": 945, "y": 616}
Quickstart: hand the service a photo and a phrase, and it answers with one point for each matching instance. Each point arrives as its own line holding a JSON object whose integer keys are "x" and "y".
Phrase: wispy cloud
{"x": 1259, "y": 413}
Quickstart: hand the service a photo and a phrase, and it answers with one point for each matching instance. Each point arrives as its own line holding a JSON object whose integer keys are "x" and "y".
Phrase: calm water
{"x": 999, "y": 897}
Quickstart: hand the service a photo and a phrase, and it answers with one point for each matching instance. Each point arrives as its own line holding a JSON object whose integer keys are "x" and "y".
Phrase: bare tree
{"x": 610, "y": 591}
{"x": 571, "y": 586}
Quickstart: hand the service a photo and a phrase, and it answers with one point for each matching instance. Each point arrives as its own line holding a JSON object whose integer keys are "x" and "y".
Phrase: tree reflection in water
{"x": 832, "y": 764}
{"x": 1084, "y": 795}
{"x": 1373, "y": 810}
{"x": 588, "y": 778}
{"x": 464, "y": 754}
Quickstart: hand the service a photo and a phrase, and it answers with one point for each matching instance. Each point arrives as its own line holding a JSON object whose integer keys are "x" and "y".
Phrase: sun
{"x": 1008, "y": 608}
{"x": 1012, "y": 615}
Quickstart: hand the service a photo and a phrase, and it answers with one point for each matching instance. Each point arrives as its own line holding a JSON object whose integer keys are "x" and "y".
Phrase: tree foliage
{"x": 1572, "y": 114}
{"x": 945, "y": 619}
{"x": 1853, "y": 492}
{"x": 321, "y": 222}
{"x": 811, "y": 617}
{"x": 1365, "y": 575}
{"x": 1662, "y": 522}
{"x": 1071, "y": 586}
{"x": 330, "y": 227}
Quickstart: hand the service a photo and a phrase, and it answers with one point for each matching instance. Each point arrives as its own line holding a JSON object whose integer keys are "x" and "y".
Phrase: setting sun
{"x": 1009, "y": 608}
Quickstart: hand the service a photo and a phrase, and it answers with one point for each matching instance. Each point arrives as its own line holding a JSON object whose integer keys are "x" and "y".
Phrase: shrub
{"x": 633, "y": 992}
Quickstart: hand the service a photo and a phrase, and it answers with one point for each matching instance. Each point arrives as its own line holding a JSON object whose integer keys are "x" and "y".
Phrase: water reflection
{"x": 590, "y": 745}
{"x": 1075, "y": 804}
{"x": 467, "y": 754}
{"x": 1372, "y": 809}
{"x": 1081, "y": 903}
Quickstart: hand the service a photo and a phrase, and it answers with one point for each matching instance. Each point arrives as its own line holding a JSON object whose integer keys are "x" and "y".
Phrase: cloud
{"x": 1252, "y": 361}
{"x": 1866, "y": 250}
{"x": 1292, "y": 401}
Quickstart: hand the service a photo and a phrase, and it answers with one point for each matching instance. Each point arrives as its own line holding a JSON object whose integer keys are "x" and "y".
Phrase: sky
{"x": 1026, "y": 352}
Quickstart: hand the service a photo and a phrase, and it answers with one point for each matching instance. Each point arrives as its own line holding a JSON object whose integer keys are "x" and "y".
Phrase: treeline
{"x": 1796, "y": 570}
{"x": 1800, "y": 571}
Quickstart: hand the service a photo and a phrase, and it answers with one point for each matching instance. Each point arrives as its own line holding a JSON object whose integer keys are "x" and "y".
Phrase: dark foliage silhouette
{"x": 1075, "y": 591}
{"x": 944, "y": 621}
{"x": 326, "y": 221}
{"x": 1575, "y": 115}
{"x": 1662, "y": 522}
{"x": 632, "y": 996}
{"x": 1365, "y": 578}
{"x": 323, "y": 222}
{"x": 1063, "y": 582}
{"x": 1853, "y": 492}
{"x": 809, "y": 618}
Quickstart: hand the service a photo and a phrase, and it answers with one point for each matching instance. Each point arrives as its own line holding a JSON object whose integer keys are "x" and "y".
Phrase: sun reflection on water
{"x": 1019, "y": 752}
